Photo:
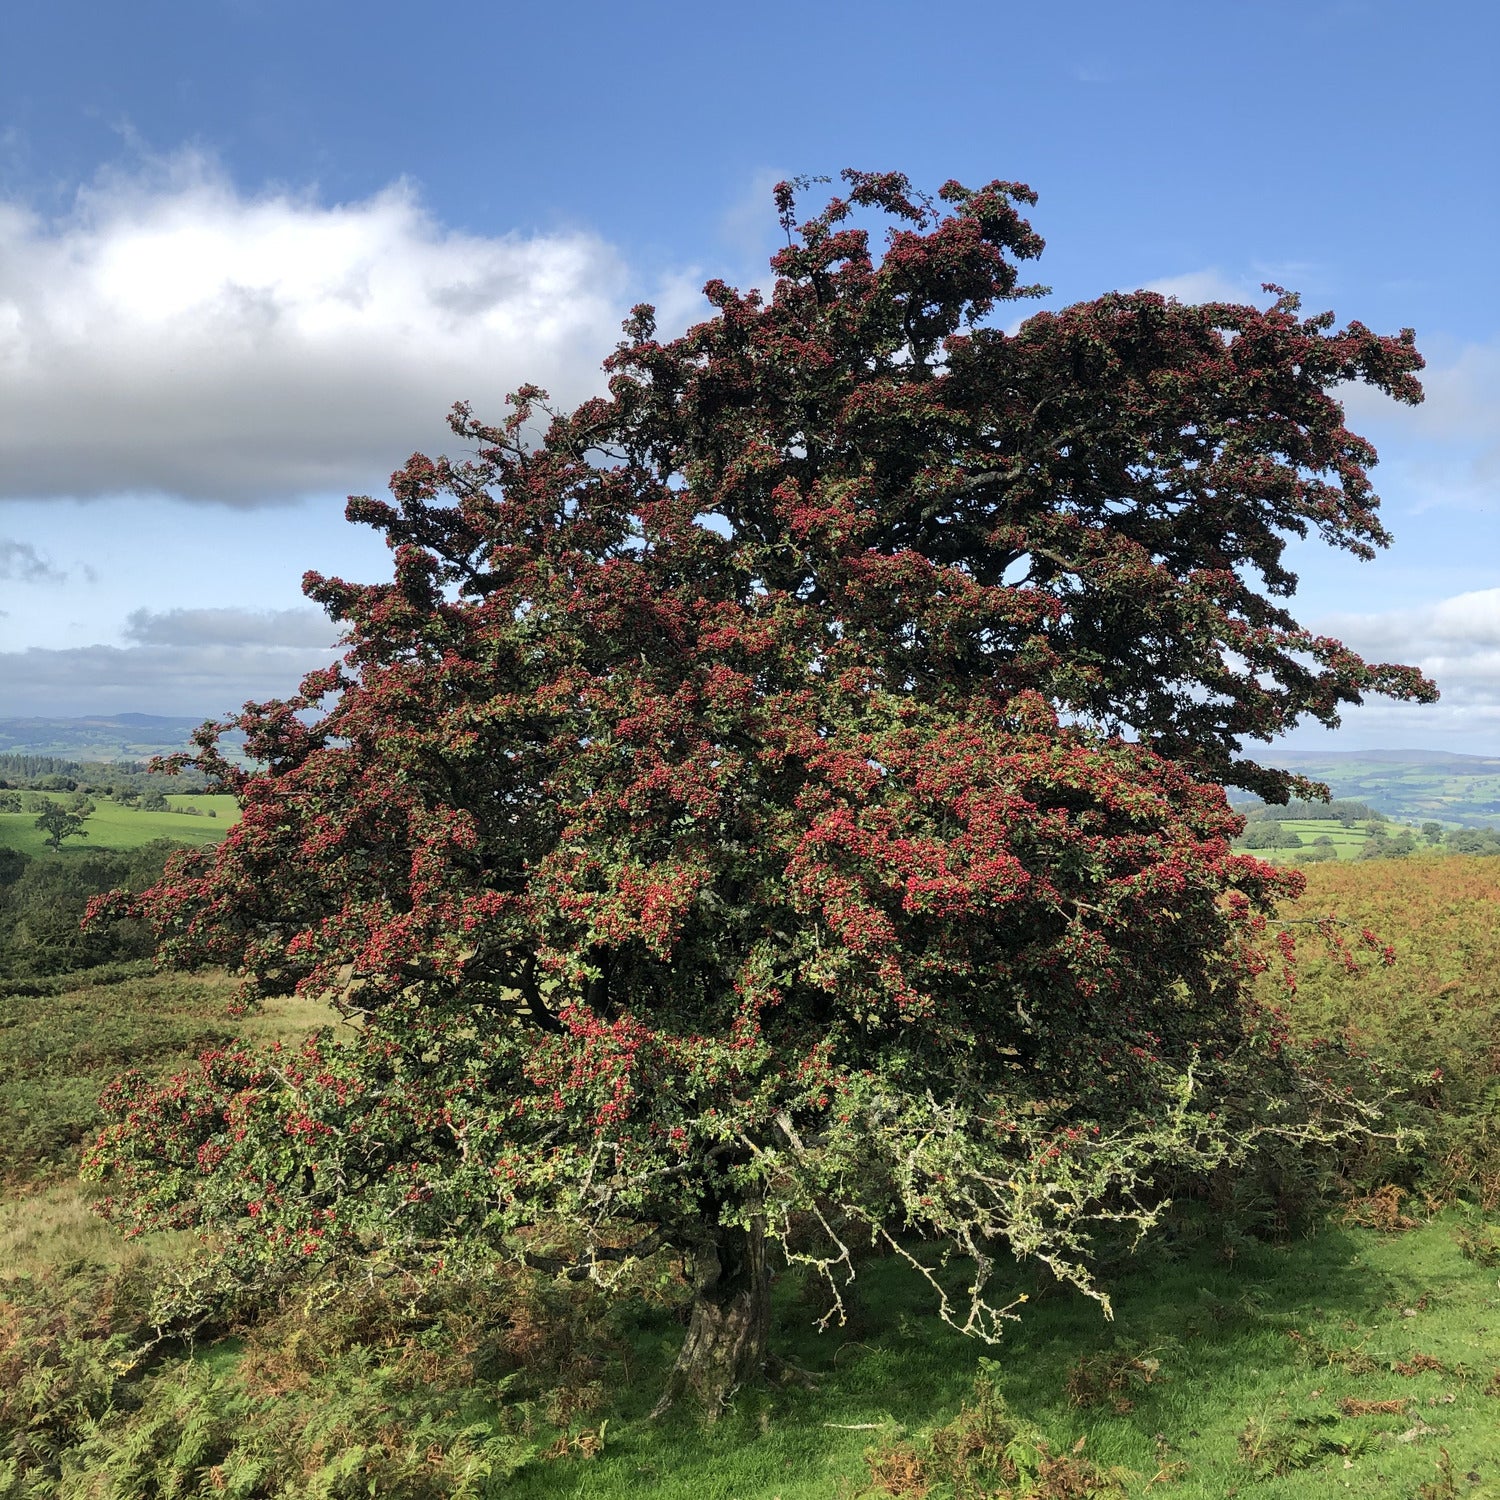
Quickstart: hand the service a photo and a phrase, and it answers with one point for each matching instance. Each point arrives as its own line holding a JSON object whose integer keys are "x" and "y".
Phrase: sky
{"x": 252, "y": 251}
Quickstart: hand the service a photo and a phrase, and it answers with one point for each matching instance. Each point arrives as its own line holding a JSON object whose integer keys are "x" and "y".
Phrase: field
{"x": 112, "y": 826}
{"x": 1347, "y": 842}
{"x": 1362, "y": 1359}
{"x": 1412, "y": 786}
{"x": 99, "y": 737}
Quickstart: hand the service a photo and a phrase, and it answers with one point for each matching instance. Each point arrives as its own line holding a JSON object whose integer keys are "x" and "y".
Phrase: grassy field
{"x": 1462, "y": 789}
{"x": 112, "y": 826}
{"x": 59, "y": 1047}
{"x": 1214, "y": 1380}
{"x": 1347, "y": 842}
{"x": 1352, "y": 1361}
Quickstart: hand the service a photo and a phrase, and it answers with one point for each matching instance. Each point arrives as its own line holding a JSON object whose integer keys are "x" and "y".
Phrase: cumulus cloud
{"x": 1455, "y": 641}
{"x": 1210, "y": 285}
{"x": 1463, "y": 397}
{"x": 176, "y": 336}
{"x": 21, "y": 562}
{"x": 232, "y": 627}
{"x": 1445, "y": 452}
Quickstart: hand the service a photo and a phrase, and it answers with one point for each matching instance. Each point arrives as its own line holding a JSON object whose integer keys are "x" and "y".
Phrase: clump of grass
{"x": 392, "y": 1384}
{"x": 1273, "y": 1446}
{"x": 1112, "y": 1378}
{"x": 1381, "y": 1210}
{"x": 1354, "y": 1406}
{"x": 1478, "y": 1242}
{"x": 986, "y": 1453}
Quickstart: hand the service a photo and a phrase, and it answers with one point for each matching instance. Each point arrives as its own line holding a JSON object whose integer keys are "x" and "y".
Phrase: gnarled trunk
{"x": 729, "y": 1333}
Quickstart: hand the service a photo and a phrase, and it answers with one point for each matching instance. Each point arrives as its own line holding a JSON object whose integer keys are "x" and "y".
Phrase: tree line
{"x": 43, "y": 900}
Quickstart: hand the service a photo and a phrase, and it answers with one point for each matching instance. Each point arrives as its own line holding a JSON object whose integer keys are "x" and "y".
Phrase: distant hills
{"x": 1411, "y": 786}
{"x": 97, "y": 737}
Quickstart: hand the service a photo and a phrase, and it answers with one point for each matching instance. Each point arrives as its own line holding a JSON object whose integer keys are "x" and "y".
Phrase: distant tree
{"x": 1473, "y": 841}
{"x": 58, "y": 824}
{"x": 781, "y": 799}
{"x": 1433, "y": 832}
{"x": 1270, "y": 834}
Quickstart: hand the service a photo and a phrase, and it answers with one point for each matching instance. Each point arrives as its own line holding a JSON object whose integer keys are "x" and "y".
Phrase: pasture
{"x": 1347, "y": 842}
{"x": 114, "y": 826}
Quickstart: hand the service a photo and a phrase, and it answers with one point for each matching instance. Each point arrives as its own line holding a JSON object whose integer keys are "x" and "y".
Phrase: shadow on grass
{"x": 1215, "y": 1339}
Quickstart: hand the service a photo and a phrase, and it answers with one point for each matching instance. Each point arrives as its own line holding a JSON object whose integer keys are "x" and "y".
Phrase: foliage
{"x": 985, "y": 1453}
{"x": 1268, "y": 835}
{"x": 1299, "y": 809}
{"x": 727, "y": 813}
{"x": 58, "y": 823}
{"x": 42, "y": 907}
{"x": 1381, "y": 845}
{"x": 390, "y": 1386}
{"x": 1302, "y": 1329}
{"x": 113, "y": 778}
{"x": 1472, "y": 841}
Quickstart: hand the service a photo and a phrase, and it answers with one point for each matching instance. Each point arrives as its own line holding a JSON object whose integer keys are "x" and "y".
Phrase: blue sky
{"x": 251, "y": 252}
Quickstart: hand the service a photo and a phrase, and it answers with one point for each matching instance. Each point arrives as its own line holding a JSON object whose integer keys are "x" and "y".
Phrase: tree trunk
{"x": 729, "y": 1334}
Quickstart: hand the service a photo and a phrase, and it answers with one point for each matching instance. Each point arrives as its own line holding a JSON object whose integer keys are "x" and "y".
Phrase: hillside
{"x": 1246, "y": 1356}
{"x": 1410, "y": 786}
{"x": 98, "y": 737}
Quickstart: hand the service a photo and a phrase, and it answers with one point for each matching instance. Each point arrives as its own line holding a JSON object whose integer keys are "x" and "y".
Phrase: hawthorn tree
{"x": 781, "y": 799}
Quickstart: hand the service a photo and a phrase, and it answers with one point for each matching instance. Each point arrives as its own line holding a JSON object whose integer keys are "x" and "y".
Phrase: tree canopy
{"x": 783, "y": 796}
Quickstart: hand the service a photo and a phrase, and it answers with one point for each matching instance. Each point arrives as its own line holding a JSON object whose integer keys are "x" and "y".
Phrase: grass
{"x": 1347, "y": 842}
{"x": 113, "y": 826}
{"x": 55, "y": 1226}
{"x": 58, "y": 1050}
{"x": 1245, "y": 1366}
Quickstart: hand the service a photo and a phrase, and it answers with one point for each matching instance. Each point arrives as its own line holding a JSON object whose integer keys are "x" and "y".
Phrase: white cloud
{"x": 1444, "y": 453}
{"x": 1456, "y": 642}
{"x": 1463, "y": 397}
{"x": 1210, "y": 285}
{"x": 175, "y": 336}
{"x": 232, "y": 627}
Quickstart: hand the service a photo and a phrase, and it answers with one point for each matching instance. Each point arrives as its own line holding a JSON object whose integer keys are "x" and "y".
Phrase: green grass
{"x": 1228, "y": 1365}
{"x": 1347, "y": 842}
{"x": 1248, "y": 1359}
{"x": 112, "y": 826}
